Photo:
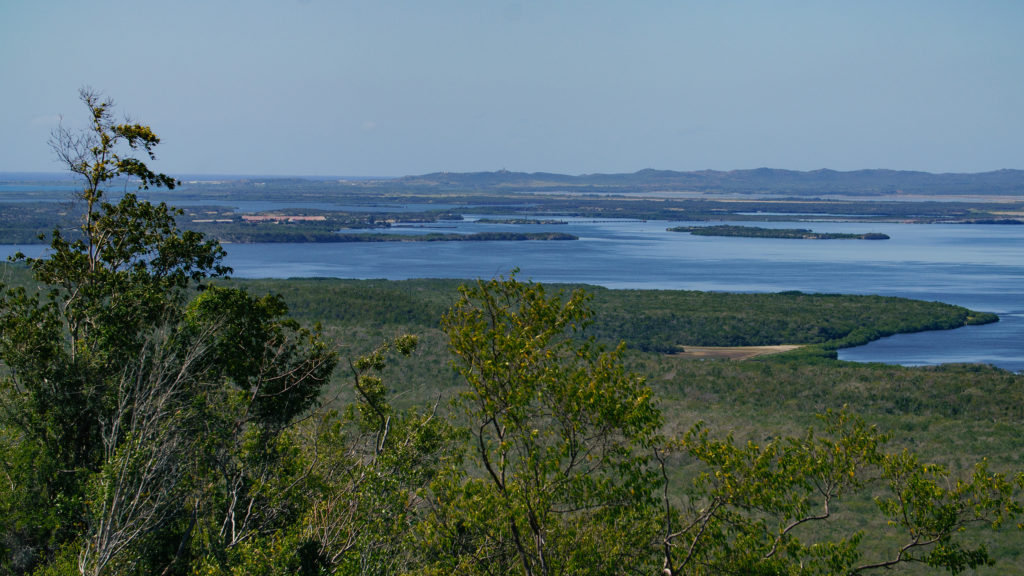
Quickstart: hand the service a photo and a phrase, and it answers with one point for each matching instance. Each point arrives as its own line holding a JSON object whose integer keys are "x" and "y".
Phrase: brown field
{"x": 732, "y": 352}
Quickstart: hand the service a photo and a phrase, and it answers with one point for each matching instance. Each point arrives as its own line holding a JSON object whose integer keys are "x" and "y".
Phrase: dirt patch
{"x": 732, "y": 352}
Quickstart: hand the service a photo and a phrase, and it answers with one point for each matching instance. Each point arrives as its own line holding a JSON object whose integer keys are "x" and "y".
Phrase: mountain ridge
{"x": 821, "y": 181}
{"x": 763, "y": 180}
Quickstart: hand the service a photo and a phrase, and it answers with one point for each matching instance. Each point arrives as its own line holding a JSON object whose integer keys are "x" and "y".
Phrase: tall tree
{"x": 560, "y": 432}
{"x": 107, "y": 285}
{"x": 132, "y": 419}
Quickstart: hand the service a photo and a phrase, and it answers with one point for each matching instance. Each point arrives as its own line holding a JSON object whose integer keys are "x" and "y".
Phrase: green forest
{"x": 158, "y": 417}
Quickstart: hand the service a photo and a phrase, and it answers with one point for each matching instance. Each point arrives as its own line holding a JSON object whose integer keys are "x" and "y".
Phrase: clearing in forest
{"x": 732, "y": 352}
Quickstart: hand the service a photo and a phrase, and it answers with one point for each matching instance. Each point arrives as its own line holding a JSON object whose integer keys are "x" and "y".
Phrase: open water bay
{"x": 977, "y": 266}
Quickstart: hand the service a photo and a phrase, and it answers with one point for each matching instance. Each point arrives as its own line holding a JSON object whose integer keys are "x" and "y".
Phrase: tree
{"x": 142, "y": 424}
{"x": 261, "y": 374}
{"x": 155, "y": 420}
{"x": 560, "y": 433}
{"x": 567, "y": 446}
{"x": 109, "y": 284}
{"x": 360, "y": 476}
{"x": 146, "y": 444}
{"x": 375, "y": 466}
{"x": 769, "y": 509}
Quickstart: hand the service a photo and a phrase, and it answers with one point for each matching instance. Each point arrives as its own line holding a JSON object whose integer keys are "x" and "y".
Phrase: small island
{"x": 298, "y": 236}
{"x": 452, "y": 237}
{"x": 309, "y": 226}
{"x": 790, "y": 233}
{"x": 518, "y": 221}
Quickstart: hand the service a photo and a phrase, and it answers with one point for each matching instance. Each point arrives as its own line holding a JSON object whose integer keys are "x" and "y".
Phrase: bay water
{"x": 977, "y": 266}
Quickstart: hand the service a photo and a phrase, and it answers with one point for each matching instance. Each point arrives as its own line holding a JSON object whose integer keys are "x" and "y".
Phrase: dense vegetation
{"x": 29, "y": 222}
{"x": 953, "y": 415}
{"x": 790, "y": 233}
{"x": 156, "y": 418}
{"x": 647, "y": 320}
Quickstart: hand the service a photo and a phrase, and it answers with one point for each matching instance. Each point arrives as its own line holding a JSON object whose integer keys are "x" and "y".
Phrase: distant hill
{"x": 766, "y": 180}
{"x": 772, "y": 181}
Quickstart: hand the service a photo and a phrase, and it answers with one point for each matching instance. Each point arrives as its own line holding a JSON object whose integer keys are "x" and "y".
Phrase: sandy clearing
{"x": 732, "y": 352}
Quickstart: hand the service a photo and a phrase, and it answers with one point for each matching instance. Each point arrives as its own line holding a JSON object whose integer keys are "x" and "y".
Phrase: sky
{"x": 393, "y": 88}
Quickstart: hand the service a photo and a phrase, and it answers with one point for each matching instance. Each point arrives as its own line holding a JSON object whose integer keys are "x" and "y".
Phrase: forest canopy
{"x": 156, "y": 418}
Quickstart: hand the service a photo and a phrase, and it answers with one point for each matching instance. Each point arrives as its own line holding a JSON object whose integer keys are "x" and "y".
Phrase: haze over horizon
{"x": 359, "y": 88}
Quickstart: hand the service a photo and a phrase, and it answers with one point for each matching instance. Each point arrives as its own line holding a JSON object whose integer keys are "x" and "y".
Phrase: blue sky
{"x": 389, "y": 88}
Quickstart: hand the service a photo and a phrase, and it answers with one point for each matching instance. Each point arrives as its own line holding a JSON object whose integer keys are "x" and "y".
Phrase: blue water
{"x": 977, "y": 266}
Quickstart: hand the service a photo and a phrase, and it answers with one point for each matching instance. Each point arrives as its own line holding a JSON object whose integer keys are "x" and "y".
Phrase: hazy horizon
{"x": 65, "y": 175}
{"x": 316, "y": 87}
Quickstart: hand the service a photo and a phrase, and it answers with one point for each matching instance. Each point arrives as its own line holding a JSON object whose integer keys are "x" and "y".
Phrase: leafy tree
{"x": 376, "y": 466}
{"x": 69, "y": 349}
{"x": 763, "y": 509}
{"x": 153, "y": 421}
{"x": 361, "y": 476}
{"x": 138, "y": 429}
{"x": 559, "y": 432}
{"x": 564, "y": 441}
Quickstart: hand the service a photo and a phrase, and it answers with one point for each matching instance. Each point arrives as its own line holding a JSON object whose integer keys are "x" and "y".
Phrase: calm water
{"x": 981, "y": 267}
